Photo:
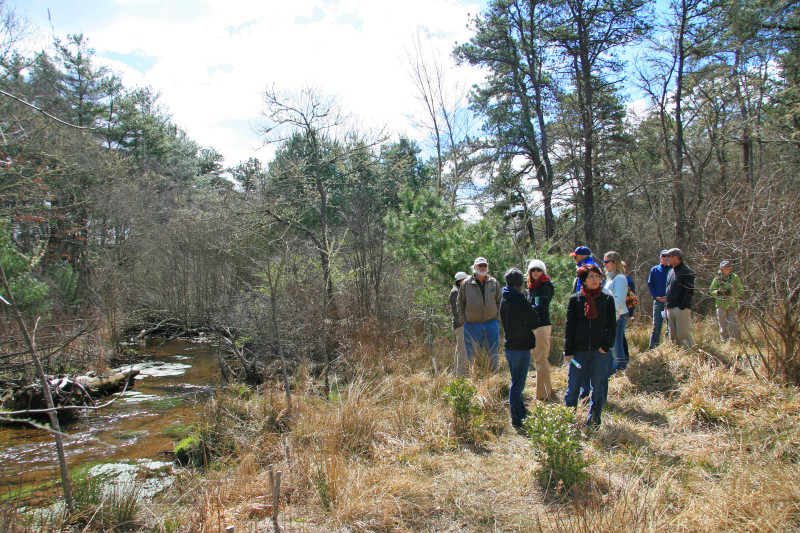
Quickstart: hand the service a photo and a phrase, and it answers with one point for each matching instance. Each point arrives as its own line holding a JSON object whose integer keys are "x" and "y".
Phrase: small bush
{"x": 556, "y": 443}
{"x": 460, "y": 394}
{"x": 190, "y": 451}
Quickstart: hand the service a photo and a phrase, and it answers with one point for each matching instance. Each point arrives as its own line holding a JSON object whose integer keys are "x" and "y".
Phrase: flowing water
{"x": 168, "y": 396}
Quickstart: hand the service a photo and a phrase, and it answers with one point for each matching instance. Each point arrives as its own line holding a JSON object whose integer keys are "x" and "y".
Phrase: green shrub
{"x": 460, "y": 394}
{"x": 190, "y": 451}
{"x": 556, "y": 443}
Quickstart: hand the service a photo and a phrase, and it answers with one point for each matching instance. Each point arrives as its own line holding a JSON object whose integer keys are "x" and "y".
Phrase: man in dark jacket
{"x": 680, "y": 288}
{"x": 519, "y": 320}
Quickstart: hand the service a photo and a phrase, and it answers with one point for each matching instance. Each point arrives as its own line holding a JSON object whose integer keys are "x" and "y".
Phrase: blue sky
{"x": 211, "y": 60}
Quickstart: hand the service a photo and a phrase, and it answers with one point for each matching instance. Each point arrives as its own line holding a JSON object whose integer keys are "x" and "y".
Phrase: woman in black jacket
{"x": 540, "y": 292}
{"x": 589, "y": 333}
{"x": 519, "y": 320}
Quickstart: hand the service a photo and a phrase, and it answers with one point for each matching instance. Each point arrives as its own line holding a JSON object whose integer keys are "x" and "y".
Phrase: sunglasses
{"x": 536, "y": 270}
{"x": 481, "y": 265}
{"x": 608, "y": 260}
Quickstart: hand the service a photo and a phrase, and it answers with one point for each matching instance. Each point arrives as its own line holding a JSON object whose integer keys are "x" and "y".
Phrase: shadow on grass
{"x": 589, "y": 493}
{"x": 637, "y": 414}
{"x": 652, "y": 374}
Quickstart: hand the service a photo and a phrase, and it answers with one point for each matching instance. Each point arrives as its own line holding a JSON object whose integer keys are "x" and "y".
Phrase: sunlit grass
{"x": 692, "y": 441}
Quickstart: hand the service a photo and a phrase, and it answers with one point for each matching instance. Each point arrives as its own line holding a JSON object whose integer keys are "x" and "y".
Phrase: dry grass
{"x": 689, "y": 443}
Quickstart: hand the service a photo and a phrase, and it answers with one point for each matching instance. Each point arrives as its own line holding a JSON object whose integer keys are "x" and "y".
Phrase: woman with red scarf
{"x": 540, "y": 292}
{"x": 589, "y": 333}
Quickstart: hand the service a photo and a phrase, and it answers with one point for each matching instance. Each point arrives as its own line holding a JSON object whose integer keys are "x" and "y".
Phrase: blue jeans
{"x": 518, "y": 363}
{"x": 618, "y": 361}
{"x": 595, "y": 365}
{"x": 483, "y": 336}
{"x": 658, "y": 323}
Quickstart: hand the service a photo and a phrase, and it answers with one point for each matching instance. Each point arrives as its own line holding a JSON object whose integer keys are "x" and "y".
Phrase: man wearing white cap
{"x": 478, "y": 307}
{"x": 458, "y": 324}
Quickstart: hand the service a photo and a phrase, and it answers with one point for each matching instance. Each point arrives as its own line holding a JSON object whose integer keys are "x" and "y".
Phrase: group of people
{"x": 594, "y": 331}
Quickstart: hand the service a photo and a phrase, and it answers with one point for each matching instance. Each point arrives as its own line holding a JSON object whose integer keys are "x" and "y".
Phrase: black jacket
{"x": 680, "y": 287}
{"x": 582, "y": 334}
{"x": 519, "y": 320}
{"x": 544, "y": 292}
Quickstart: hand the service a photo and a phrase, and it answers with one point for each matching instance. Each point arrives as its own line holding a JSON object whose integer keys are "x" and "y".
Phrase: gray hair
{"x": 675, "y": 252}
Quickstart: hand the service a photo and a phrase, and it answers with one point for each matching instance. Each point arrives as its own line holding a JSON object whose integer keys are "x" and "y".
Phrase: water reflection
{"x": 170, "y": 391}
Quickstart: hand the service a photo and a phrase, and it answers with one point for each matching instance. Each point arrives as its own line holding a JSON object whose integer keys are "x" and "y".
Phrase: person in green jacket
{"x": 727, "y": 289}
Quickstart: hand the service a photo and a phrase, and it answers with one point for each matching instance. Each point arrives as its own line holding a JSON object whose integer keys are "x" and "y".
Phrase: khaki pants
{"x": 679, "y": 323}
{"x": 540, "y": 355}
{"x": 728, "y": 324}
{"x": 461, "y": 362}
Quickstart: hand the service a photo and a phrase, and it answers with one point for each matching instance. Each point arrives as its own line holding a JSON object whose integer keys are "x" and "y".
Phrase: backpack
{"x": 631, "y": 300}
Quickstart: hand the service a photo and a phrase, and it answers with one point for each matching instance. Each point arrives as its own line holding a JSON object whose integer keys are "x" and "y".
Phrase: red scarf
{"x": 590, "y": 309}
{"x": 541, "y": 279}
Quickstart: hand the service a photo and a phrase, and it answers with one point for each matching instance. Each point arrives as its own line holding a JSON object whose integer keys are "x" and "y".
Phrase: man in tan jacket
{"x": 478, "y": 309}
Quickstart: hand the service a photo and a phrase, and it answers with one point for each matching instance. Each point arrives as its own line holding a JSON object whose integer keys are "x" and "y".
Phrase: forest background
{"x": 115, "y": 223}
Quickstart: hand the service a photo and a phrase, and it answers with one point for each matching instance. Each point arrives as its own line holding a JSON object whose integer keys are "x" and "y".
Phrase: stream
{"x": 139, "y": 428}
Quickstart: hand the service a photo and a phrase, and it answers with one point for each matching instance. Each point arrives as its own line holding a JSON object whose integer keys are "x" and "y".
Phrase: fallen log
{"x": 24, "y": 394}
{"x": 105, "y": 385}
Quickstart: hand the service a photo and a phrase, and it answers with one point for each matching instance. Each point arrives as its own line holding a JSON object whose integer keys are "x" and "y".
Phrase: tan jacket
{"x": 471, "y": 305}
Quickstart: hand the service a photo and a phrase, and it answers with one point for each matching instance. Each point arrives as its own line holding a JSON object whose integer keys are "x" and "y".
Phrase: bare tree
{"x": 272, "y": 269}
{"x": 14, "y": 30}
{"x": 313, "y": 119}
{"x": 444, "y": 104}
{"x": 315, "y": 144}
{"x": 758, "y": 229}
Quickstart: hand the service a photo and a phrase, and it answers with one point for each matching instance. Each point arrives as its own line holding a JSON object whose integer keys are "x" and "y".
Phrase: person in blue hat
{"x": 583, "y": 257}
{"x": 657, "y": 283}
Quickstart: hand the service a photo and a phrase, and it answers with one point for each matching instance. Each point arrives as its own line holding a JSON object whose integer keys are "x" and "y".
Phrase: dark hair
{"x": 514, "y": 277}
{"x": 585, "y": 269}
{"x": 675, "y": 252}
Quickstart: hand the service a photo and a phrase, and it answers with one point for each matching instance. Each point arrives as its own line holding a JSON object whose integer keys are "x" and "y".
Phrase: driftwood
{"x": 26, "y": 395}
{"x": 105, "y": 385}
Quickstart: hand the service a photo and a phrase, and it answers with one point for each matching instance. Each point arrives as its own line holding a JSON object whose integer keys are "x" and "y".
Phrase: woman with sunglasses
{"x": 540, "y": 292}
{"x": 588, "y": 337}
{"x": 617, "y": 285}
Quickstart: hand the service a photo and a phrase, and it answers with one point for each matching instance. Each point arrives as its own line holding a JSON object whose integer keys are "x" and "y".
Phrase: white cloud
{"x": 212, "y": 60}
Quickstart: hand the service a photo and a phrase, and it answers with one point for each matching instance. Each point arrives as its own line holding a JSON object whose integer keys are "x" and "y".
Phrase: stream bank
{"x": 168, "y": 397}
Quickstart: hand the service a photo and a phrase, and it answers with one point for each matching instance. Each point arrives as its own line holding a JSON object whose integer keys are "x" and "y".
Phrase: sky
{"x": 211, "y": 60}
